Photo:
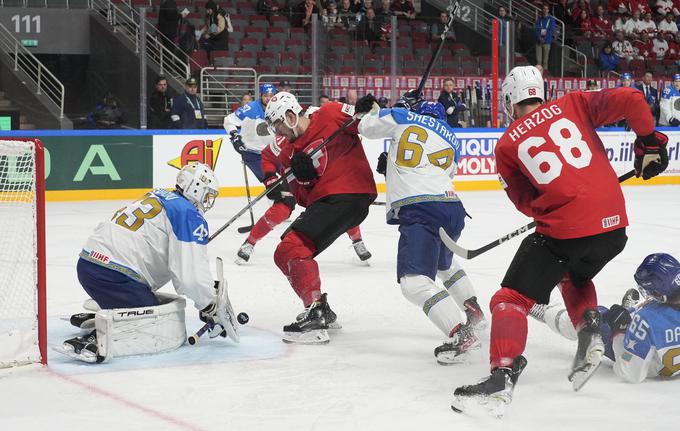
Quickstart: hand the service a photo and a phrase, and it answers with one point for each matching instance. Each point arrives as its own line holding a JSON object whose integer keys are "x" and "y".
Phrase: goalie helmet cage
{"x": 23, "y": 296}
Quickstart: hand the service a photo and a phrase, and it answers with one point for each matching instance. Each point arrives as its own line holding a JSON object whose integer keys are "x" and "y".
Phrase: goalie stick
{"x": 470, "y": 254}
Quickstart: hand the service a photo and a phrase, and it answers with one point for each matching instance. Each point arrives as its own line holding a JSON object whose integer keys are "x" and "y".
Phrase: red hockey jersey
{"x": 342, "y": 167}
{"x": 554, "y": 166}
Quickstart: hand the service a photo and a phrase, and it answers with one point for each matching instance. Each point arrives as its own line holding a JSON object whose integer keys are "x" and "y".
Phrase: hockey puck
{"x": 242, "y": 318}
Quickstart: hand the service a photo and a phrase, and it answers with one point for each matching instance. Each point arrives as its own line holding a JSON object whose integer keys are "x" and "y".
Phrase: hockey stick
{"x": 470, "y": 254}
{"x": 287, "y": 176}
{"x": 451, "y": 9}
{"x": 245, "y": 229}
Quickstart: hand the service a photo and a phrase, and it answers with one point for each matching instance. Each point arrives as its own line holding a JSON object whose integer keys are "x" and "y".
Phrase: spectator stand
{"x": 222, "y": 87}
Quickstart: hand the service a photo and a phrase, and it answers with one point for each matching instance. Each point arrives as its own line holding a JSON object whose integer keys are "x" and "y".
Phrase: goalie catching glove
{"x": 651, "y": 155}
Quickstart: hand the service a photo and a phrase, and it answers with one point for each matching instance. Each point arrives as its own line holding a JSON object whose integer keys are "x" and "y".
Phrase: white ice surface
{"x": 378, "y": 372}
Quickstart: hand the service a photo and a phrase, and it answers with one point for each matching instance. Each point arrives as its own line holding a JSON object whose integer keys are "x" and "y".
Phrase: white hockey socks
{"x": 457, "y": 283}
{"x": 143, "y": 330}
{"x": 436, "y": 303}
{"x": 556, "y": 317}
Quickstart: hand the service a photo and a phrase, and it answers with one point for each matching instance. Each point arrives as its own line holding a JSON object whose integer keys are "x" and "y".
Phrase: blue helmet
{"x": 433, "y": 109}
{"x": 626, "y": 75}
{"x": 267, "y": 88}
{"x": 676, "y": 77}
{"x": 658, "y": 276}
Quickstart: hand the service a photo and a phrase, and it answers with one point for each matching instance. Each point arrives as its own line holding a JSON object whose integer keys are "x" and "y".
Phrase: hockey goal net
{"x": 23, "y": 325}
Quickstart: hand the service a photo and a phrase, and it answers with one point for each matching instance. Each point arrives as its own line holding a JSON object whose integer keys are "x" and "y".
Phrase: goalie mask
{"x": 278, "y": 106}
{"x": 522, "y": 83}
{"x": 198, "y": 184}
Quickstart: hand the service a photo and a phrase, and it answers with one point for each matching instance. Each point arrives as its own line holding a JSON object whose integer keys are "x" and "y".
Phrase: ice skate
{"x": 82, "y": 348}
{"x": 457, "y": 349}
{"x": 589, "y": 352}
{"x": 630, "y": 298}
{"x": 83, "y": 320}
{"x": 475, "y": 316}
{"x": 538, "y": 311}
{"x": 361, "y": 250}
{"x": 494, "y": 392}
{"x": 243, "y": 254}
{"x": 313, "y": 327}
{"x": 331, "y": 317}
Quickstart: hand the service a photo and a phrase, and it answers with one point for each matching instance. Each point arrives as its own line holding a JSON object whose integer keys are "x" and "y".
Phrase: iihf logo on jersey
{"x": 198, "y": 151}
{"x": 611, "y": 221}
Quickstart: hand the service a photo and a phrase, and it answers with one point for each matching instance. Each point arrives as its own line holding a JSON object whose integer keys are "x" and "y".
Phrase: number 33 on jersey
{"x": 554, "y": 167}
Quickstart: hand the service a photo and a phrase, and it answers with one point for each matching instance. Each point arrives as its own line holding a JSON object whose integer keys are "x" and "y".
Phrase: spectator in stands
{"x": 618, "y": 7}
{"x": 602, "y": 25}
{"x": 634, "y": 27}
{"x": 577, "y": 10}
{"x": 641, "y": 6}
{"x": 383, "y": 102}
{"x": 660, "y": 47}
{"x": 544, "y": 32}
{"x": 674, "y": 49}
{"x": 452, "y": 103}
{"x": 330, "y": 16}
{"x": 667, "y": 26}
{"x": 188, "y": 111}
{"x": 302, "y": 14}
{"x": 267, "y": 8}
{"x": 348, "y": 15}
{"x": 643, "y": 47}
{"x": 651, "y": 94}
{"x": 622, "y": 47}
{"x": 438, "y": 28}
{"x": 168, "y": 22}
{"x": 369, "y": 28}
{"x": 107, "y": 114}
{"x": 663, "y": 7}
{"x": 592, "y": 85}
{"x": 160, "y": 105}
{"x": 608, "y": 59}
{"x": 364, "y": 6}
{"x": 215, "y": 35}
{"x": 621, "y": 22}
{"x": 562, "y": 10}
{"x": 648, "y": 25}
{"x": 403, "y": 9}
{"x": 187, "y": 34}
{"x": 383, "y": 13}
{"x": 323, "y": 99}
{"x": 503, "y": 19}
{"x": 585, "y": 24}
{"x": 352, "y": 97}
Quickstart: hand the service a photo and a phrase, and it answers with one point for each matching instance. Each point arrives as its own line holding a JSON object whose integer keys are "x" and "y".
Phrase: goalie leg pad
{"x": 141, "y": 331}
{"x": 436, "y": 303}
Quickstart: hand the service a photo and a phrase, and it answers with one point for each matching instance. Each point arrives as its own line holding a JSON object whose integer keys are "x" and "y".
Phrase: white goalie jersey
{"x": 159, "y": 238}
{"x": 421, "y": 158}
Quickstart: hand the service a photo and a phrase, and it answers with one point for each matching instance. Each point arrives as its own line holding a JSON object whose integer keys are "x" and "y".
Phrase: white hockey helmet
{"x": 198, "y": 184}
{"x": 522, "y": 83}
{"x": 277, "y": 107}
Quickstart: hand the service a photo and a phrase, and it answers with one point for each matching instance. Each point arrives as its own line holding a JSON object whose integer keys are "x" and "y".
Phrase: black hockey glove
{"x": 408, "y": 100}
{"x": 618, "y": 318}
{"x": 237, "y": 142}
{"x": 303, "y": 168}
{"x": 365, "y": 104}
{"x": 651, "y": 155}
{"x": 269, "y": 179}
{"x": 382, "y": 163}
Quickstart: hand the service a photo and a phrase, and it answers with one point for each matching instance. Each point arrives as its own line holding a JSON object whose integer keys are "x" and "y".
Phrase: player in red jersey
{"x": 336, "y": 188}
{"x": 284, "y": 204}
{"x": 555, "y": 169}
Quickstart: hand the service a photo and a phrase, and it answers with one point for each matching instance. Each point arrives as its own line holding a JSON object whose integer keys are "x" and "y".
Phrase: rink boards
{"x": 89, "y": 165}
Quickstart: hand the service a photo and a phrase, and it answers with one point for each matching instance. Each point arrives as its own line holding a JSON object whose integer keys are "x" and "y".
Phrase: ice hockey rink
{"x": 377, "y": 373}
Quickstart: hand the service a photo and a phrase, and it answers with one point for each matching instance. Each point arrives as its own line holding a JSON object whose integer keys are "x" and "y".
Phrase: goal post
{"x": 23, "y": 295}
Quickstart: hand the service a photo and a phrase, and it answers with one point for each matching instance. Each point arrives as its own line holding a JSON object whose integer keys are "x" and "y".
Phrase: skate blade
{"x": 580, "y": 376}
{"x": 472, "y": 353}
{"x": 240, "y": 261}
{"x": 319, "y": 336}
{"x": 493, "y": 405}
{"x": 87, "y": 357}
{"x": 334, "y": 326}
